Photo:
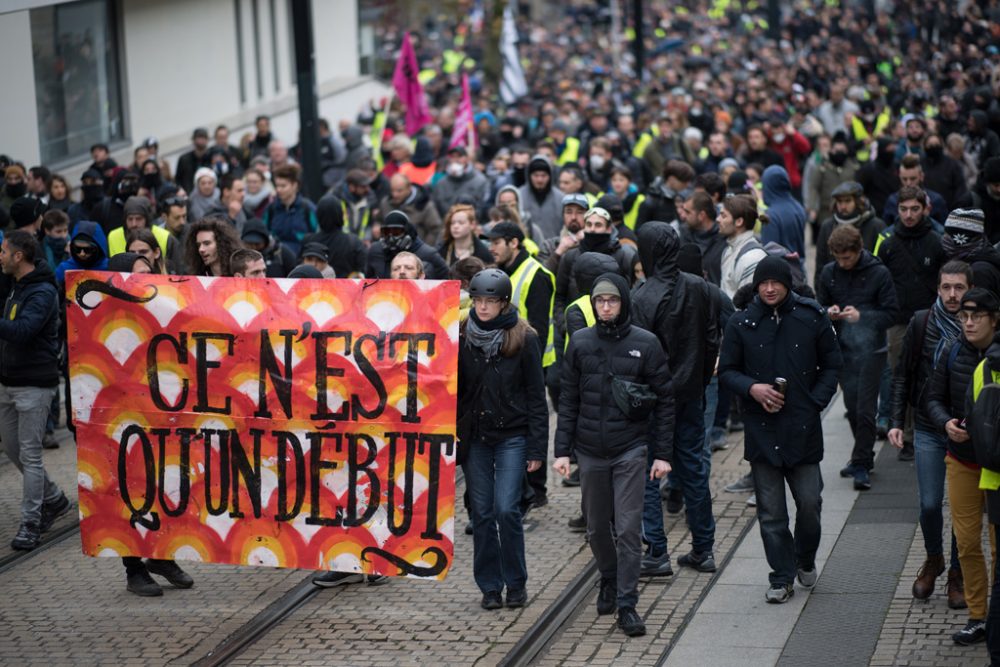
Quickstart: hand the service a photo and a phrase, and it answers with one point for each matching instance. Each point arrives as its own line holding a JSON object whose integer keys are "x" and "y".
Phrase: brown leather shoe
{"x": 932, "y": 568}
{"x": 956, "y": 590}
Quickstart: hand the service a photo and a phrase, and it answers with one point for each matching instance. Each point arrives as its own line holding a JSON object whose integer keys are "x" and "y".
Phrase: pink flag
{"x": 464, "y": 131}
{"x": 407, "y": 84}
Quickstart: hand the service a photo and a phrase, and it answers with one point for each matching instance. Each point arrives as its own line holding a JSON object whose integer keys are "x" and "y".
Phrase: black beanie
{"x": 689, "y": 259}
{"x": 773, "y": 268}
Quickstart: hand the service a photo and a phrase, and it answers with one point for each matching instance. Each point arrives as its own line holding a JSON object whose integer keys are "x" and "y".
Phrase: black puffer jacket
{"x": 947, "y": 388}
{"x": 29, "y": 331}
{"x": 566, "y": 291}
{"x": 679, "y": 309}
{"x": 869, "y": 288}
{"x": 512, "y": 399}
{"x": 913, "y": 256}
{"x": 586, "y": 270}
{"x": 795, "y": 341}
{"x": 589, "y": 419}
{"x": 909, "y": 382}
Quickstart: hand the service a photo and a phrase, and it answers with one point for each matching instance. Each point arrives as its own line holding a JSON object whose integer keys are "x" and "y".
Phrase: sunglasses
{"x": 83, "y": 250}
{"x": 175, "y": 201}
{"x": 393, "y": 231}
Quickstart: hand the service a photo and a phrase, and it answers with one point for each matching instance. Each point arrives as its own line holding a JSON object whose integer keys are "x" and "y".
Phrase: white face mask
{"x": 779, "y": 137}
{"x": 455, "y": 169}
{"x": 597, "y": 162}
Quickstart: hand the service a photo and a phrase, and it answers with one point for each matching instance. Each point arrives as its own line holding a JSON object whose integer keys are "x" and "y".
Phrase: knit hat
{"x": 396, "y": 219}
{"x": 204, "y": 171}
{"x": 965, "y": 225}
{"x": 25, "y": 211}
{"x": 773, "y": 268}
{"x": 980, "y": 299}
{"x": 539, "y": 163}
{"x": 729, "y": 162}
{"x": 15, "y": 169}
{"x": 604, "y": 288}
{"x": 136, "y": 205}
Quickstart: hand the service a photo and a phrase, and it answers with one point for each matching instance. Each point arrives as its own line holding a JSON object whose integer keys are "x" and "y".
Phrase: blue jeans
{"x": 653, "y": 533}
{"x": 493, "y": 474}
{"x": 930, "y": 448}
{"x": 785, "y": 552}
{"x": 691, "y": 473}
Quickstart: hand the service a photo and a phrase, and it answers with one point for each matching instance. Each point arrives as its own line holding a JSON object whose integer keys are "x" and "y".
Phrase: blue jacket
{"x": 95, "y": 233}
{"x": 290, "y": 225}
{"x": 29, "y": 331}
{"x": 787, "y": 217}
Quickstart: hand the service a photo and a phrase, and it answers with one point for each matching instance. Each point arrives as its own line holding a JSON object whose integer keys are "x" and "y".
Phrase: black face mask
{"x": 594, "y": 240}
{"x": 93, "y": 193}
{"x": 934, "y": 152}
{"x": 16, "y": 190}
{"x": 838, "y": 158}
{"x": 519, "y": 175}
{"x": 151, "y": 181}
{"x": 885, "y": 157}
{"x": 397, "y": 243}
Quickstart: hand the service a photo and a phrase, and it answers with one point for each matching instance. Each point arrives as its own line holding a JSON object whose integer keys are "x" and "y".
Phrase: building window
{"x": 77, "y": 84}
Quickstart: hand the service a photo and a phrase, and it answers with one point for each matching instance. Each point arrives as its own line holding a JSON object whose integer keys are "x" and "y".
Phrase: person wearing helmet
{"x": 503, "y": 431}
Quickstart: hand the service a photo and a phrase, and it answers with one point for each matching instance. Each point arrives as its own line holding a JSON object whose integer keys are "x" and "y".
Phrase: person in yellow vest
{"x": 139, "y": 214}
{"x": 567, "y": 147}
{"x": 989, "y": 482}
{"x": 946, "y": 409}
{"x": 866, "y": 127}
{"x": 533, "y": 293}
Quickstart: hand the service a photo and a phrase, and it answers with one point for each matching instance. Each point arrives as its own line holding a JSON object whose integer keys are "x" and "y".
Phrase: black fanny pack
{"x": 634, "y": 399}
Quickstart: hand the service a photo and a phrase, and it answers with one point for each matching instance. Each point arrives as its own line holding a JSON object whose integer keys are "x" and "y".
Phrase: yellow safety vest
{"x": 586, "y": 307}
{"x": 643, "y": 141}
{"x": 989, "y": 480}
{"x": 863, "y": 138}
{"x": 365, "y": 219}
{"x": 531, "y": 247}
{"x": 116, "y": 240}
{"x": 571, "y": 153}
{"x": 522, "y": 280}
{"x": 633, "y": 214}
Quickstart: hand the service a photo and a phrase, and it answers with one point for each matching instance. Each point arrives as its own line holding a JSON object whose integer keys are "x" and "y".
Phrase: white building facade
{"x": 118, "y": 71}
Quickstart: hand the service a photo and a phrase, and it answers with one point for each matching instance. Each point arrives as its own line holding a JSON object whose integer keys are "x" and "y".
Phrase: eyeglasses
{"x": 487, "y": 300}
{"x": 602, "y": 301}
{"x": 971, "y": 316}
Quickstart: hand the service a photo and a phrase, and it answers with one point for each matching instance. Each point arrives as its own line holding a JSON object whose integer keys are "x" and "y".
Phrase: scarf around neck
{"x": 488, "y": 336}
{"x": 947, "y": 324}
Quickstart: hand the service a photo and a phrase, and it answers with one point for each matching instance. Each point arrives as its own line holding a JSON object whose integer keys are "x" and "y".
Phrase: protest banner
{"x": 291, "y": 423}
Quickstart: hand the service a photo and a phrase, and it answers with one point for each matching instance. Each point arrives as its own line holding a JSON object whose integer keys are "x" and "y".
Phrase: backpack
{"x": 775, "y": 249}
{"x": 982, "y": 421}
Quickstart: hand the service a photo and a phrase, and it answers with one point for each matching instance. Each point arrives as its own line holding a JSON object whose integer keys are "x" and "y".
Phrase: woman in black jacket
{"x": 504, "y": 427}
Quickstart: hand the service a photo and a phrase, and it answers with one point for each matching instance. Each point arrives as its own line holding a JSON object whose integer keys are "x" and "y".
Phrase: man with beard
{"x": 697, "y": 214}
{"x": 911, "y": 174}
{"x": 849, "y": 208}
{"x": 92, "y": 189}
{"x": 552, "y": 250}
{"x": 943, "y": 173}
{"x": 399, "y": 234}
{"x": 540, "y": 198}
{"x": 913, "y": 144}
{"x": 413, "y": 200}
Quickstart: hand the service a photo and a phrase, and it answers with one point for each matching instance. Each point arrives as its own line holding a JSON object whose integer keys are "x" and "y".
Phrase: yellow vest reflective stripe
{"x": 633, "y": 214}
{"x": 643, "y": 141}
{"x": 571, "y": 153}
{"x": 116, "y": 240}
{"x": 521, "y": 281}
{"x": 586, "y": 307}
{"x": 881, "y": 237}
{"x": 531, "y": 247}
{"x": 365, "y": 219}
{"x": 862, "y": 137}
{"x": 989, "y": 480}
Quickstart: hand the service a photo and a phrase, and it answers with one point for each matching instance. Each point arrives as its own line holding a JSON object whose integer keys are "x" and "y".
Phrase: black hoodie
{"x": 29, "y": 331}
{"x": 590, "y": 422}
{"x": 277, "y": 257}
{"x": 677, "y": 307}
{"x": 347, "y": 253}
{"x": 380, "y": 258}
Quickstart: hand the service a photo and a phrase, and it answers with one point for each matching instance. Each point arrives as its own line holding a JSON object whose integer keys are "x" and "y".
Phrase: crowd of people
{"x": 633, "y": 255}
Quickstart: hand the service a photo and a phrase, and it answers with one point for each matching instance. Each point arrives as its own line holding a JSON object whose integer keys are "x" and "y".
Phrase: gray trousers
{"x": 612, "y": 492}
{"x": 23, "y": 411}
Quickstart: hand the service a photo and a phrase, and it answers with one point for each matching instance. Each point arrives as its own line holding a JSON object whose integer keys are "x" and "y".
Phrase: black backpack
{"x": 983, "y": 421}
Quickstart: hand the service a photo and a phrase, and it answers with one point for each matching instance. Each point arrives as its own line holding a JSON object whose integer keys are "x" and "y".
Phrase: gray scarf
{"x": 488, "y": 341}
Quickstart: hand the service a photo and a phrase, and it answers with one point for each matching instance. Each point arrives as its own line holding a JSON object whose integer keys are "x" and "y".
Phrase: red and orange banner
{"x": 292, "y": 423}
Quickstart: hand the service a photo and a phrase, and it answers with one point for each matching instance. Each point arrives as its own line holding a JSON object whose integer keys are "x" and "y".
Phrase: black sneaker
{"x": 540, "y": 500}
{"x": 468, "y": 528}
{"x": 862, "y": 479}
{"x": 140, "y": 583}
{"x": 849, "y": 470}
{"x": 630, "y": 622}
{"x": 906, "y": 453}
{"x": 491, "y": 600}
{"x": 573, "y": 479}
{"x": 577, "y": 524}
{"x": 50, "y": 442}
{"x": 376, "y": 579}
{"x": 675, "y": 501}
{"x": 973, "y": 633}
{"x": 517, "y": 598}
{"x": 331, "y": 579}
{"x": 52, "y": 511}
{"x": 656, "y": 566}
{"x": 735, "y": 425}
{"x": 703, "y": 562}
{"x": 27, "y": 538}
{"x": 170, "y": 571}
{"x": 607, "y": 597}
